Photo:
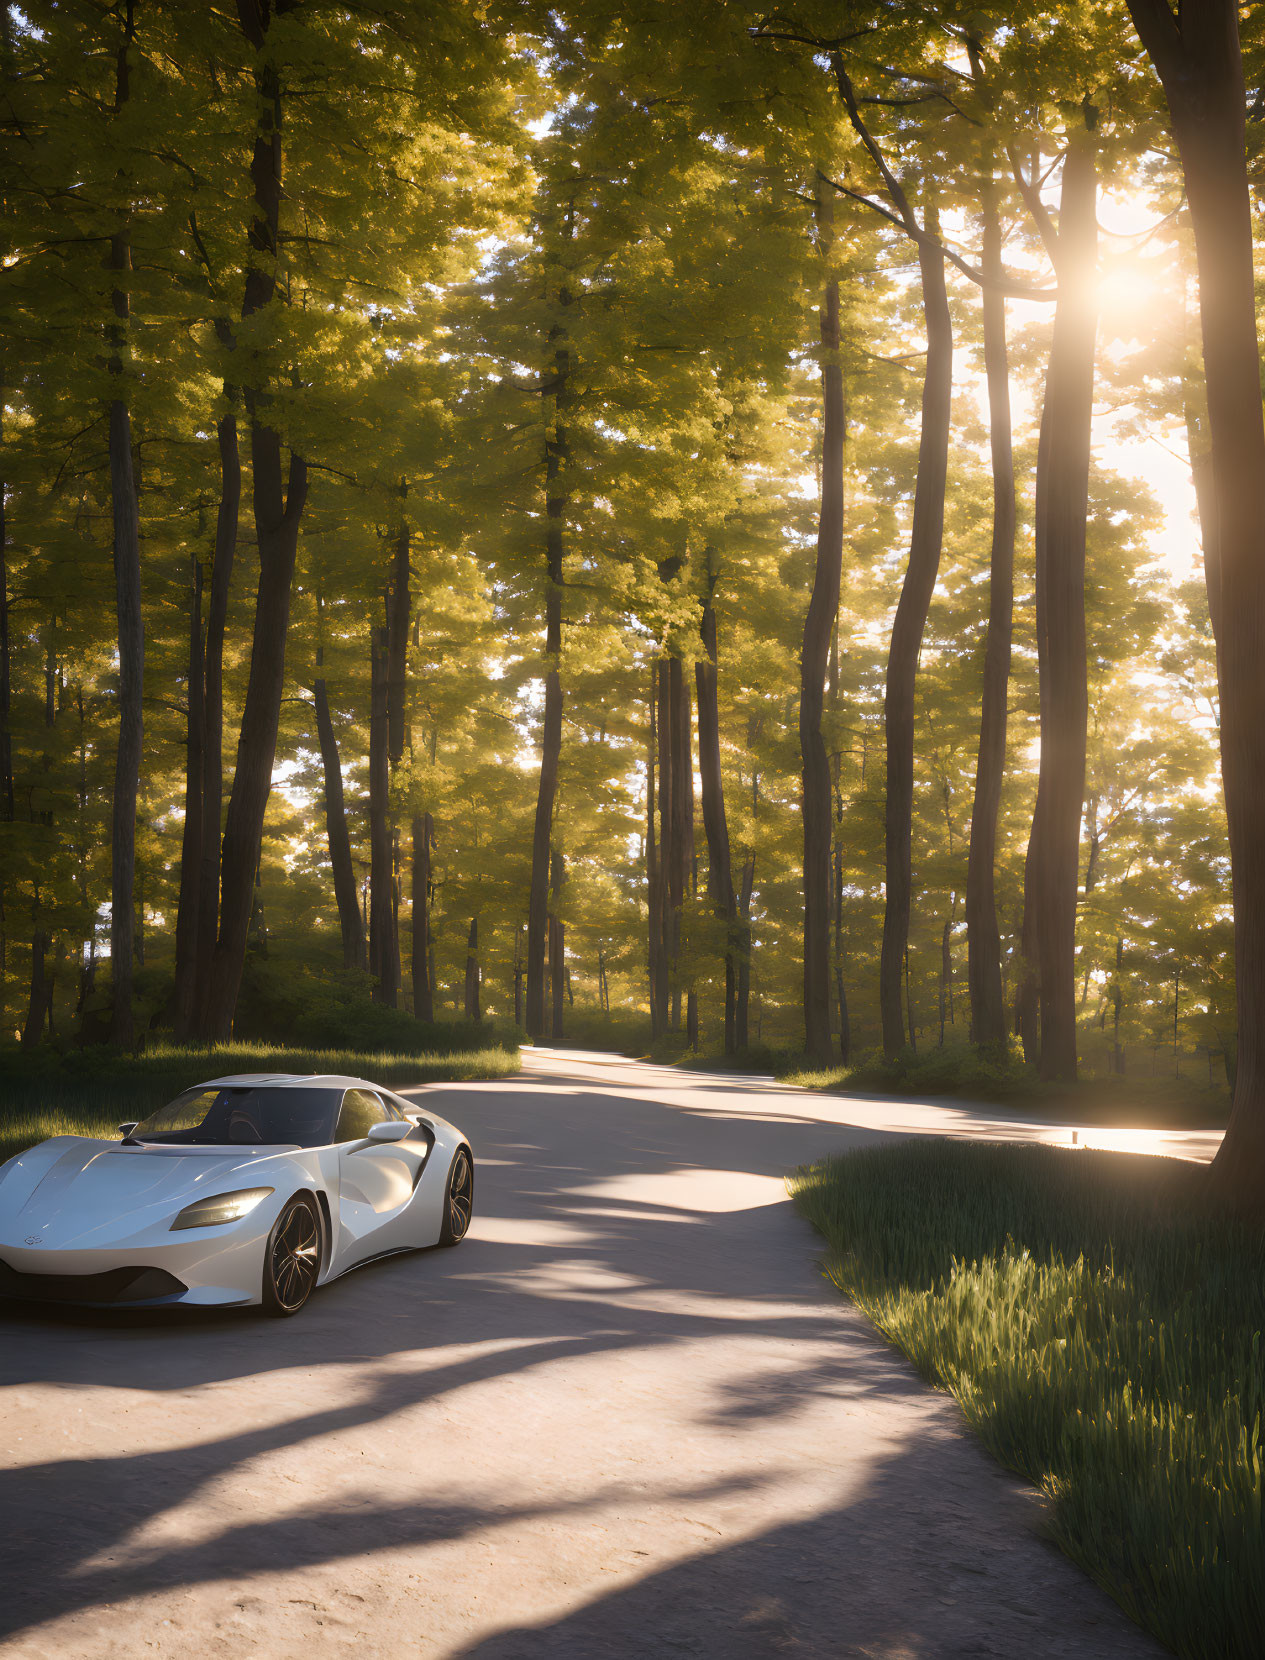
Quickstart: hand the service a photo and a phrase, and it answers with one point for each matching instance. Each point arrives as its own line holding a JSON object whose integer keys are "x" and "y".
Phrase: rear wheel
{"x": 459, "y": 1198}
{"x": 292, "y": 1261}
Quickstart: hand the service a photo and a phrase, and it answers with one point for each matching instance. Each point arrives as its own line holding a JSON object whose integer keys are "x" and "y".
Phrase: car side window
{"x": 360, "y": 1111}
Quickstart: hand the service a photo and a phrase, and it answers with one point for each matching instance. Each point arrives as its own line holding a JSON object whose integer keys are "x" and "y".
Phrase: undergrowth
{"x": 978, "y": 1075}
{"x": 1102, "y": 1334}
{"x": 91, "y": 1091}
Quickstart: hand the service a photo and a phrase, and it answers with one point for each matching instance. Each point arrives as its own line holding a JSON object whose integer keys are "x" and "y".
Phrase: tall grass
{"x": 1102, "y": 1334}
{"x": 961, "y": 1070}
{"x": 90, "y": 1092}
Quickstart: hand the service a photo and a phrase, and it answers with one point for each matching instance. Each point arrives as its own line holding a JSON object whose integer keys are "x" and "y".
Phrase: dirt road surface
{"x": 627, "y": 1417}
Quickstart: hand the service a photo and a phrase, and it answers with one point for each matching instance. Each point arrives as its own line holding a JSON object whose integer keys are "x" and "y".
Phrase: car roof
{"x": 287, "y": 1080}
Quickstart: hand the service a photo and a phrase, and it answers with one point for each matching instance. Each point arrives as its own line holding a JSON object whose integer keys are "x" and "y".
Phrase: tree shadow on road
{"x": 582, "y": 1253}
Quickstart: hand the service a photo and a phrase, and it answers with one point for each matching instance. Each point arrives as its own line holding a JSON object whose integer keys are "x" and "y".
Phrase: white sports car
{"x": 243, "y": 1190}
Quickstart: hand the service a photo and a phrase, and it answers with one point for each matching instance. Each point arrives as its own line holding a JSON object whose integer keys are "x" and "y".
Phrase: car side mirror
{"x": 391, "y": 1130}
{"x": 125, "y": 1130}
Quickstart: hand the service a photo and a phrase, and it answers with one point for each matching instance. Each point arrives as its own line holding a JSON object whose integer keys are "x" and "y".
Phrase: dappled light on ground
{"x": 626, "y": 1417}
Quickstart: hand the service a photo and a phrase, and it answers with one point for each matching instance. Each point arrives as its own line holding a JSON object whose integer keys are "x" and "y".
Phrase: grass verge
{"x": 90, "y": 1092}
{"x": 1153, "y": 1102}
{"x": 1101, "y": 1334}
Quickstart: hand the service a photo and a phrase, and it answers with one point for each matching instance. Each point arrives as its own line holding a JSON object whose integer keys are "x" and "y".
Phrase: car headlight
{"x": 221, "y": 1207}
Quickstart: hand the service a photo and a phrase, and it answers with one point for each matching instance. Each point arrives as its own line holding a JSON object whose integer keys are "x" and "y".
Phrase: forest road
{"x": 626, "y": 1417}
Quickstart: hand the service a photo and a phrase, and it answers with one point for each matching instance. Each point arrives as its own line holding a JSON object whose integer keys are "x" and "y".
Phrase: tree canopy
{"x": 628, "y": 520}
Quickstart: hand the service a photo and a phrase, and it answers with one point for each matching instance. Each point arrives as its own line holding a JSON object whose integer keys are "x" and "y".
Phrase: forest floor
{"x": 627, "y": 1417}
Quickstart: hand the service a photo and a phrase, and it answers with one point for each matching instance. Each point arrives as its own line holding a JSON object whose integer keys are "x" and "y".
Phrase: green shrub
{"x": 91, "y": 1091}
{"x": 621, "y": 1032}
{"x": 986, "y": 1075}
{"x": 1102, "y": 1334}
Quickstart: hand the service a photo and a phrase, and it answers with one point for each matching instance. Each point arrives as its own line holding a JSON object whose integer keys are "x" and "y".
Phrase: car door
{"x": 376, "y": 1179}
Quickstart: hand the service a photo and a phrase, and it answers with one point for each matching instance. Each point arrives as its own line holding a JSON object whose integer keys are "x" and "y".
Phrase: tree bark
{"x": 212, "y": 792}
{"x": 7, "y": 804}
{"x": 423, "y": 995}
{"x": 1062, "y": 507}
{"x": 742, "y": 999}
{"x": 41, "y": 994}
{"x": 819, "y": 626}
{"x": 349, "y": 921}
{"x": 472, "y": 971}
{"x": 277, "y": 521}
{"x": 1199, "y": 62}
{"x": 399, "y": 601}
{"x": 911, "y": 619}
{"x": 1199, "y": 444}
{"x": 683, "y": 882}
{"x": 658, "y": 963}
{"x": 720, "y": 885}
{"x": 557, "y": 942}
{"x": 384, "y": 954}
{"x": 539, "y": 933}
{"x": 131, "y": 623}
{"x": 191, "y": 841}
{"x": 983, "y": 937}
{"x": 668, "y": 863}
{"x": 279, "y": 498}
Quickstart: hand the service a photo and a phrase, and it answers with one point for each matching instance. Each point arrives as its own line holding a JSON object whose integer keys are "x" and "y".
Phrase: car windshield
{"x": 242, "y": 1115}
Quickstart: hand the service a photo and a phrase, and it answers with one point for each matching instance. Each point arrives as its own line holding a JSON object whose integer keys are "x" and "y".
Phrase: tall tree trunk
{"x": 983, "y": 937}
{"x": 836, "y": 856}
{"x": 279, "y": 497}
{"x": 823, "y": 608}
{"x": 423, "y": 993}
{"x": 1062, "y": 507}
{"x": 539, "y": 934}
{"x": 212, "y": 792}
{"x": 680, "y": 860}
{"x": 658, "y": 962}
{"x": 399, "y": 607}
{"x": 7, "y": 805}
{"x": 131, "y": 623}
{"x": 191, "y": 841}
{"x": 911, "y": 619}
{"x": 669, "y": 864}
{"x": 557, "y": 942}
{"x": 1198, "y": 58}
{"x": 349, "y": 922}
{"x": 720, "y": 885}
{"x": 742, "y": 998}
{"x": 472, "y": 971}
{"x": 945, "y": 1000}
{"x": 399, "y": 602}
{"x": 41, "y": 991}
{"x": 277, "y": 520}
{"x": 840, "y": 952}
{"x": 384, "y": 955}
{"x": 1199, "y": 444}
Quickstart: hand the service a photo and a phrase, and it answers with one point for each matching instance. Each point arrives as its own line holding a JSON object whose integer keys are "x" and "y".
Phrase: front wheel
{"x": 292, "y": 1261}
{"x": 459, "y": 1199}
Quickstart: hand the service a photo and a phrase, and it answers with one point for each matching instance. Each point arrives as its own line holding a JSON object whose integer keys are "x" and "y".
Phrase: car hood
{"x": 82, "y": 1192}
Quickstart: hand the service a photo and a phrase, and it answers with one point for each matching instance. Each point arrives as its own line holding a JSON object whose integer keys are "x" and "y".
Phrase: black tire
{"x": 458, "y": 1197}
{"x": 292, "y": 1259}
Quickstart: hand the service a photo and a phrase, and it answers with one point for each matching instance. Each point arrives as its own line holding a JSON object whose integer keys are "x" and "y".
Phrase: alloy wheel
{"x": 294, "y": 1258}
{"x": 460, "y": 1204}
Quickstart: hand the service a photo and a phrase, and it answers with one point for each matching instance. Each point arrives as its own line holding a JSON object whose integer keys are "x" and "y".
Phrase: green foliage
{"x": 1103, "y": 1336}
{"x": 638, "y": 184}
{"x": 980, "y": 1075}
{"x": 91, "y": 1091}
{"x": 949, "y": 1071}
{"x": 296, "y": 1005}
